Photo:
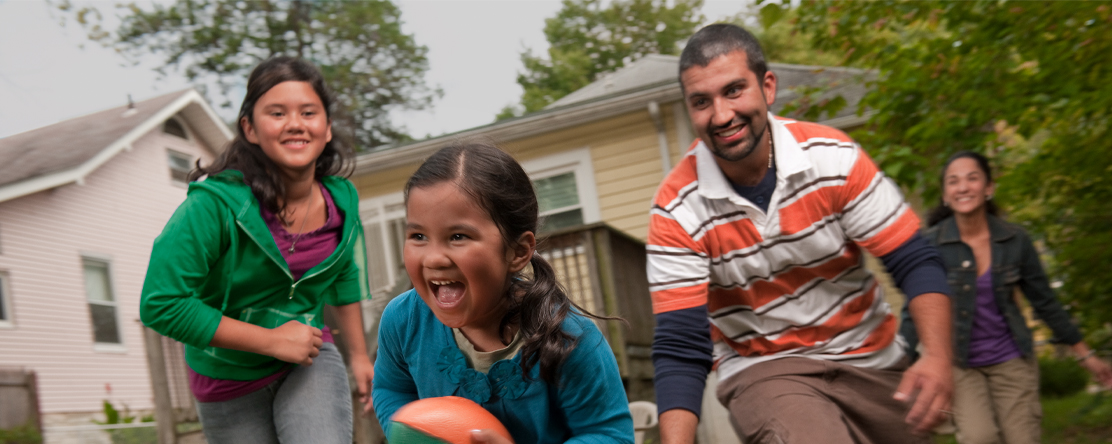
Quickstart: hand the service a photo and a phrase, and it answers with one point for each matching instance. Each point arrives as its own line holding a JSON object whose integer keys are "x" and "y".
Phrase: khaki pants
{"x": 800, "y": 400}
{"x": 998, "y": 403}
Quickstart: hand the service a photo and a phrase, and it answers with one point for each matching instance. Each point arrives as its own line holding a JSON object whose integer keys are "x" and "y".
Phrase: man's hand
{"x": 295, "y": 343}
{"x": 930, "y": 384}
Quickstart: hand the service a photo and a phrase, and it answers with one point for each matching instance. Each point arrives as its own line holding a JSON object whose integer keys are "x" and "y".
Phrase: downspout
{"x": 661, "y": 137}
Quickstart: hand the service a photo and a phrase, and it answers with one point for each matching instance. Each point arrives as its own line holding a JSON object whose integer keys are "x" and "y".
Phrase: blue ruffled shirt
{"x": 418, "y": 358}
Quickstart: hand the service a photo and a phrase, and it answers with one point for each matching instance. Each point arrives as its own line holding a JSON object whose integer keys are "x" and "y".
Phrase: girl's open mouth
{"x": 447, "y": 293}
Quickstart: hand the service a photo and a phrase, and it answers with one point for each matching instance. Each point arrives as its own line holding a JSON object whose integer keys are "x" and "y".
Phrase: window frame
{"x": 86, "y": 260}
{"x": 576, "y": 161}
{"x": 384, "y": 209}
{"x": 8, "y": 321}
{"x": 170, "y": 152}
{"x": 184, "y": 129}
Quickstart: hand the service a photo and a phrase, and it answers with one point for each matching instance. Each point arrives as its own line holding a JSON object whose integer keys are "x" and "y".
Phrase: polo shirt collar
{"x": 790, "y": 160}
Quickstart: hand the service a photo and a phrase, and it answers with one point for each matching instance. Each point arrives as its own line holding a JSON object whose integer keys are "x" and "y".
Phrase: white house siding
{"x": 115, "y": 215}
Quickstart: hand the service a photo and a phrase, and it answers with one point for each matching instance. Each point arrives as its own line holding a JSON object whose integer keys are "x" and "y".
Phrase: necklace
{"x": 770, "y": 146}
{"x": 304, "y": 218}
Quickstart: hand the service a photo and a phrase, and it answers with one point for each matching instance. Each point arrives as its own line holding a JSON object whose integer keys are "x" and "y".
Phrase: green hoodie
{"x": 216, "y": 257}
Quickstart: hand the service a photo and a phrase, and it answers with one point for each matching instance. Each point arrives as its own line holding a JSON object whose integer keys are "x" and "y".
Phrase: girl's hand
{"x": 295, "y": 343}
{"x": 486, "y": 436}
{"x": 1100, "y": 370}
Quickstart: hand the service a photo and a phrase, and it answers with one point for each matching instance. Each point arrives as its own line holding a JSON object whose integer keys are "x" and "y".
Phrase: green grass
{"x": 1077, "y": 419}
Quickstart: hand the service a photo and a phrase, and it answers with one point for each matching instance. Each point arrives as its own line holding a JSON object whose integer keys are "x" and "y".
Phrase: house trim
{"x": 77, "y": 174}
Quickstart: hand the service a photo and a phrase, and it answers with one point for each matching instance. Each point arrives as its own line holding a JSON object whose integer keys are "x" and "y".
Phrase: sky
{"x": 50, "y": 72}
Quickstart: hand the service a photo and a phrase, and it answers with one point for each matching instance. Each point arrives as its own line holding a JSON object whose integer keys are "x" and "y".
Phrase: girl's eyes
{"x": 458, "y": 237}
{"x": 417, "y": 236}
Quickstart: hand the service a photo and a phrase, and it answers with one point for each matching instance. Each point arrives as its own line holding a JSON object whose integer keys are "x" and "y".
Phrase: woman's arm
{"x": 350, "y": 320}
{"x": 393, "y": 386}
{"x": 1036, "y": 288}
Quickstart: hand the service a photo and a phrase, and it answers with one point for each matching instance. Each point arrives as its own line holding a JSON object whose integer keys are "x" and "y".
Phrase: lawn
{"x": 1078, "y": 419}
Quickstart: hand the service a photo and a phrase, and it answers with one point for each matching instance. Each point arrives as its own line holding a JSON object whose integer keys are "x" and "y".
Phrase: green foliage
{"x": 591, "y": 37}
{"x": 1059, "y": 378}
{"x": 1026, "y": 83}
{"x": 141, "y": 435}
{"x": 25, "y": 434}
{"x": 371, "y": 65}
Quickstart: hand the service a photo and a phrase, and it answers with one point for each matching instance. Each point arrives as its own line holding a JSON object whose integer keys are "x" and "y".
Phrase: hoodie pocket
{"x": 263, "y": 317}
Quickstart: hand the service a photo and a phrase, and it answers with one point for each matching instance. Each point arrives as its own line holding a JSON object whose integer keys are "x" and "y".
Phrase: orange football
{"x": 447, "y": 419}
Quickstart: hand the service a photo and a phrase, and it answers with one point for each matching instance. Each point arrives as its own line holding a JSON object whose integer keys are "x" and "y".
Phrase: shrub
{"x": 1061, "y": 377}
{"x": 26, "y": 434}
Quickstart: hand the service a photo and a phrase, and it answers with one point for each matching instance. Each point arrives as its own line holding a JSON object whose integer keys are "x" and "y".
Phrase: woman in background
{"x": 996, "y": 383}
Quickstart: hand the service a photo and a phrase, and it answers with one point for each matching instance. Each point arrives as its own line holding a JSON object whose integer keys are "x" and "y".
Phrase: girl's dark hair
{"x": 941, "y": 212}
{"x": 259, "y": 172}
{"x": 500, "y": 186}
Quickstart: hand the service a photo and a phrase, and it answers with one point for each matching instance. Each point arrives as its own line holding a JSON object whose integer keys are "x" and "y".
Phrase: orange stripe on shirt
{"x": 763, "y": 292}
{"x": 847, "y": 317}
{"x": 879, "y": 338}
{"x": 894, "y": 235}
{"x": 737, "y": 235}
{"x": 682, "y": 175}
{"x": 807, "y": 210}
{"x": 679, "y": 298}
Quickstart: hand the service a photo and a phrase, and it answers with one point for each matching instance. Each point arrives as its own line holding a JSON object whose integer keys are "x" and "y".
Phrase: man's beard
{"x": 745, "y": 146}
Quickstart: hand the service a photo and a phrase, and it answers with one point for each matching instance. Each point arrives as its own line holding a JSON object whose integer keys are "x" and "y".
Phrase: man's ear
{"x": 522, "y": 251}
{"x": 768, "y": 86}
{"x": 249, "y": 131}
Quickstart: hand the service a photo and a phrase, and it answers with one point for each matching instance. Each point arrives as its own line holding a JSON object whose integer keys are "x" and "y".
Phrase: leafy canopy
{"x": 370, "y": 64}
{"x": 1026, "y": 83}
{"x": 590, "y": 37}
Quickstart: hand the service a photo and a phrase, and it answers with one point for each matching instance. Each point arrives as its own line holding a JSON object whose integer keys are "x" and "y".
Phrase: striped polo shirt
{"x": 791, "y": 282}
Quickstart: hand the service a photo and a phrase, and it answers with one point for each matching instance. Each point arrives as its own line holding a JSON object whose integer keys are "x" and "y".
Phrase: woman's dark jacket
{"x": 1014, "y": 263}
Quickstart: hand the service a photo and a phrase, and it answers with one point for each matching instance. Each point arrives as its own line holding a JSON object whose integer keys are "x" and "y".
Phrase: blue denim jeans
{"x": 309, "y": 405}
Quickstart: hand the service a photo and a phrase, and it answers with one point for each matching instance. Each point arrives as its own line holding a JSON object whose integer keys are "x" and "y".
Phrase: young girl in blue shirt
{"x": 477, "y": 327}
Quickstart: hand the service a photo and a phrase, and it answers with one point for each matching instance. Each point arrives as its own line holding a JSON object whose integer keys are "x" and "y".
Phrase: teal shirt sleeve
{"x": 193, "y": 240}
{"x": 393, "y": 386}
{"x": 591, "y": 392}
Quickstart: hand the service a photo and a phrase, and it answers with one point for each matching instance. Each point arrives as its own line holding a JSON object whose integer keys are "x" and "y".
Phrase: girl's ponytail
{"x": 540, "y": 311}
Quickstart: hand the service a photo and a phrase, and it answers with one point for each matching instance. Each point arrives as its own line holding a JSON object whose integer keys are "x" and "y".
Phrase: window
{"x": 174, "y": 128}
{"x": 384, "y": 231}
{"x": 180, "y": 165}
{"x": 5, "y": 301}
{"x": 565, "y": 185}
{"x": 102, "y": 302}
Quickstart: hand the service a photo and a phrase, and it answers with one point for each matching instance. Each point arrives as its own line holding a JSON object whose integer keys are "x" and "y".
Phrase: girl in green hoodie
{"x": 244, "y": 267}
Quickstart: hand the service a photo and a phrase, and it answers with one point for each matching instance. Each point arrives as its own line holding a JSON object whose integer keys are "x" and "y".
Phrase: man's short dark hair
{"x": 720, "y": 39}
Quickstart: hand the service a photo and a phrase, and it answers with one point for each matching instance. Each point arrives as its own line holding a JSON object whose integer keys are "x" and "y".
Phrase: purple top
{"x": 310, "y": 249}
{"x": 990, "y": 341}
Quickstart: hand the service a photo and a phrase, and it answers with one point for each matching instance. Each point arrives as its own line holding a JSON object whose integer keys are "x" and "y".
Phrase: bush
{"x": 27, "y": 434}
{"x": 1059, "y": 378}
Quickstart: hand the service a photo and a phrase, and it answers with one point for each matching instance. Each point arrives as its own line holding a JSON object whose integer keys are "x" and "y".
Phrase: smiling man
{"x": 756, "y": 268}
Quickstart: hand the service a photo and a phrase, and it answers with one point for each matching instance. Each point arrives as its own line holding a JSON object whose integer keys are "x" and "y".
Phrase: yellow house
{"x": 596, "y": 155}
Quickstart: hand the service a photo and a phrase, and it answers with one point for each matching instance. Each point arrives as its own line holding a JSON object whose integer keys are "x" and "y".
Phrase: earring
{"x": 989, "y": 197}
{"x": 946, "y": 204}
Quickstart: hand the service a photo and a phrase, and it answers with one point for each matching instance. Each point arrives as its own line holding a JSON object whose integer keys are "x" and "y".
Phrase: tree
{"x": 370, "y": 64}
{"x": 1026, "y": 83}
{"x": 587, "y": 38}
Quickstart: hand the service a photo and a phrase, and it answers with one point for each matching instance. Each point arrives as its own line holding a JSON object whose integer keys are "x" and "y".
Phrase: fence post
{"x": 160, "y": 386}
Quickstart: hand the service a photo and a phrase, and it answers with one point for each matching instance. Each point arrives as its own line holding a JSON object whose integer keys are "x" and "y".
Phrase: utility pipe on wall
{"x": 661, "y": 137}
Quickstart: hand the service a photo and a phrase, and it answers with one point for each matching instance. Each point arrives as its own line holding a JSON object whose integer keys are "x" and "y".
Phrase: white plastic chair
{"x": 644, "y": 418}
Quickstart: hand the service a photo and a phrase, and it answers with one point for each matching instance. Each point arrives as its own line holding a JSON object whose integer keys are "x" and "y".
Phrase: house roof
{"x": 655, "y": 69}
{"x": 652, "y": 78}
{"x": 67, "y": 151}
